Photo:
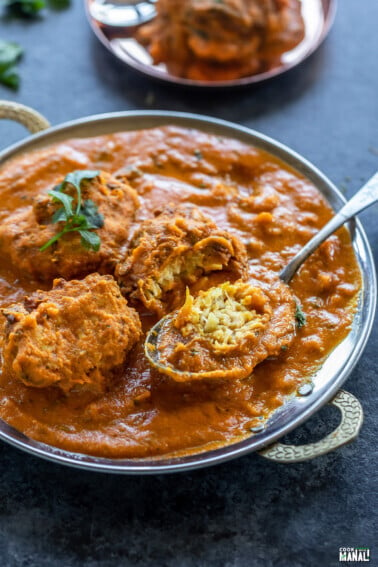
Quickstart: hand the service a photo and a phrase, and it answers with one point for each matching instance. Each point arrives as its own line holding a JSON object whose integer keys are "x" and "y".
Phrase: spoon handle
{"x": 365, "y": 197}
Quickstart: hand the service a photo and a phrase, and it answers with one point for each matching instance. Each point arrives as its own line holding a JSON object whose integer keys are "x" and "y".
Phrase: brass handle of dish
{"x": 28, "y": 117}
{"x": 351, "y": 420}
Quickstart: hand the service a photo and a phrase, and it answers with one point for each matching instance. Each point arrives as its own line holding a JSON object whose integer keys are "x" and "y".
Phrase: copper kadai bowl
{"x": 327, "y": 380}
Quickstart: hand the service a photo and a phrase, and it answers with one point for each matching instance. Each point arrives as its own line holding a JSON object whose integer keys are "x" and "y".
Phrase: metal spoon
{"x": 364, "y": 198}
{"x": 122, "y": 13}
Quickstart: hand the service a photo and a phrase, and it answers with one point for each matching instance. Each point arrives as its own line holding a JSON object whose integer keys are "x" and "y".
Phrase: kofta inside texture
{"x": 227, "y": 330}
{"x": 71, "y": 337}
{"x": 27, "y": 230}
{"x": 174, "y": 250}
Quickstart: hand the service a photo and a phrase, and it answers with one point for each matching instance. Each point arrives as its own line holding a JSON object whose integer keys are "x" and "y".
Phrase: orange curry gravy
{"x": 272, "y": 208}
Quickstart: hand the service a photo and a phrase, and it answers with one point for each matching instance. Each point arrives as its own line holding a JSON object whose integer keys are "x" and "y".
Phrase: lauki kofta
{"x": 175, "y": 249}
{"x": 71, "y": 337}
{"x": 225, "y": 331}
{"x": 185, "y": 221}
{"x": 24, "y": 232}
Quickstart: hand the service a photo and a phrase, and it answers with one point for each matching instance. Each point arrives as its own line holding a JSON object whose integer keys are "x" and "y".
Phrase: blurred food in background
{"x": 222, "y": 39}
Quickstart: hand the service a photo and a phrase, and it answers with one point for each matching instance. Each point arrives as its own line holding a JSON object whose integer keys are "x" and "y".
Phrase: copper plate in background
{"x": 317, "y": 14}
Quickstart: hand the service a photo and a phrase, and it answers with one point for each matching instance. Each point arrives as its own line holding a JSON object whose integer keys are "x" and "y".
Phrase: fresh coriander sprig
{"x": 82, "y": 218}
{"x": 10, "y": 54}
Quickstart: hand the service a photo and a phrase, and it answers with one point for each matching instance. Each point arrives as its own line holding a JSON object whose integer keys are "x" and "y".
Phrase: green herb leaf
{"x": 76, "y": 178}
{"x": 90, "y": 211}
{"x": 10, "y": 54}
{"x": 66, "y": 200}
{"x": 299, "y": 316}
{"x": 59, "y": 216}
{"x": 80, "y": 221}
{"x": 50, "y": 242}
{"x": 90, "y": 240}
{"x": 24, "y": 8}
{"x": 83, "y": 219}
{"x": 10, "y": 78}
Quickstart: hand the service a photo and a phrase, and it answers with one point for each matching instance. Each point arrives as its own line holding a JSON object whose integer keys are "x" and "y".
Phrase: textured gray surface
{"x": 248, "y": 512}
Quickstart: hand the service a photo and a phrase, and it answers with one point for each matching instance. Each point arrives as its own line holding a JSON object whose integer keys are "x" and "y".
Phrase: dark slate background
{"x": 249, "y": 512}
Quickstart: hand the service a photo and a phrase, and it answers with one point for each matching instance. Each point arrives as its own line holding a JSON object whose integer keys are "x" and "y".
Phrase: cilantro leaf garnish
{"x": 78, "y": 216}
{"x": 92, "y": 215}
{"x": 10, "y": 54}
{"x": 66, "y": 200}
{"x": 24, "y": 8}
{"x": 90, "y": 240}
{"x": 299, "y": 316}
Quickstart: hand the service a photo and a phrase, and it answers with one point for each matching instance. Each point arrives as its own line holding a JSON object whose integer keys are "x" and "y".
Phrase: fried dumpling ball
{"x": 222, "y": 40}
{"x": 174, "y": 250}
{"x": 225, "y": 331}
{"x": 71, "y": 337}
{"x": 23, "y": 233}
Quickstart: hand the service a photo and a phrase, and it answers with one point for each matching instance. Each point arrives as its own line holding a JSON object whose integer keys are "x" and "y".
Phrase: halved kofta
{"x": 225, "y": 331}
{"x": 174, "y": 250}
{"x": 24, "y": 232}
{"x": 71, "y": 337}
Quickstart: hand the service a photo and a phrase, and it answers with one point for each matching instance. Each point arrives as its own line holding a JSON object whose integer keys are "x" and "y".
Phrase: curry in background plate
{"x": 218, "y": 40}
{"x": 74, "y": 371}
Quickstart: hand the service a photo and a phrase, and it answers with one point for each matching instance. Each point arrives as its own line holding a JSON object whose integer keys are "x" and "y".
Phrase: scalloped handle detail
{"x": 28, "y": 117}
{"x": 351, "y": 420}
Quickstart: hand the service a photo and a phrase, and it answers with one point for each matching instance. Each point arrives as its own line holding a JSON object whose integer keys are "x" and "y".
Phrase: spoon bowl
{"x": 153, "y": 353}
